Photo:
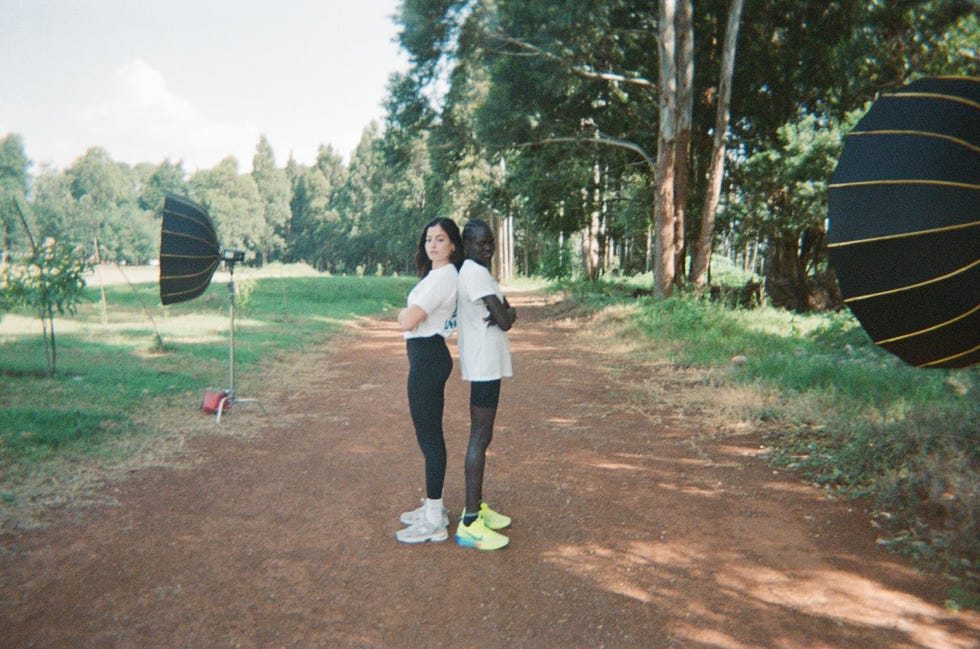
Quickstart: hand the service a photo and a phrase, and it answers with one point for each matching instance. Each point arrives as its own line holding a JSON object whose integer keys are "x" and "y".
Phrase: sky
{"x": 193, "y": 80}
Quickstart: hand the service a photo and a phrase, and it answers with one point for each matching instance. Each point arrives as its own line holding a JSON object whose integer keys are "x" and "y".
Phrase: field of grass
{"x": 129, "y": 355}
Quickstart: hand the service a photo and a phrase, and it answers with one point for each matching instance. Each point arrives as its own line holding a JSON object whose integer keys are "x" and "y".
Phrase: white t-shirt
{"x": 436, "y": 295}
{"x": 484, "y": 352}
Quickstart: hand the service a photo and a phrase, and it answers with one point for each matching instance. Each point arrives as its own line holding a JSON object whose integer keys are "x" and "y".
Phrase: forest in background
{"x": 548, "y": 119}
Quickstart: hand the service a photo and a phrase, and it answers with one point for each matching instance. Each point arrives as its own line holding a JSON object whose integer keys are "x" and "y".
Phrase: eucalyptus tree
{"x": 576, "y": 76}
{"x": 274, "y": 193}
{"x": 385, "y": 201}
{"x": 403, "y": 201}
{"x": 355, "y": 202}
{"x": 315, "y": 233}
{"x": 98, "y": 187}
{"x": 715, "y": 164}
{"x": 232, "y": 199}
{"x": 810, "y": 65}
{"x": 576, "y": 73}
{"x": 166, "y": 177}
{"x": 14, "y": 183}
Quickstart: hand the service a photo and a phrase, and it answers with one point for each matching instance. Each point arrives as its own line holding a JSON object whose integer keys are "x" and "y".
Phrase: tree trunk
{"x": 590, "y": 250}
{"x": 786, "y": 281}
{"x": 648, "y": 266}
{"x": 505, "y": 248}
{"x": 47, "y": 329}
{"x": 702, "y": 253}
{"x": 793, "y": 278}
{"x": 98, "y": 266}
{"x": 666, "y": 145}
{"x": 685, "y": 108}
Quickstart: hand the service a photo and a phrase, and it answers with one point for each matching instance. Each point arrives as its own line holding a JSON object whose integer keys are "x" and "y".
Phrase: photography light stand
{"x": 230, "y": 257}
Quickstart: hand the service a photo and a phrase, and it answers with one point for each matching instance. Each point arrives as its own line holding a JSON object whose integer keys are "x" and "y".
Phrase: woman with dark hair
{"x": 426, "y": 322}
{"x": 485, "y": 316}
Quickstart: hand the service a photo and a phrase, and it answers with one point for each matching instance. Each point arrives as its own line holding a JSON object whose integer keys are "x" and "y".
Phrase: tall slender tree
{"x": 716, "y": 167}
{"x": 14, "y": 181}
{"x": 232, "y": 200}
{"x": 274, "y": 189}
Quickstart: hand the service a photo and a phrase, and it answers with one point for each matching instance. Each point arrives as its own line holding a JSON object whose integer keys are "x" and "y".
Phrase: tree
{"x": 233, "y": 202}
{"x": 316, "y": 233}
{"x": 49, "y": 281}
{"x": 274, "y": 193}
{"x": 13, "y": 186}
{"x": 517, "y": 91}
{"x": 167, "y": 177}
{"x": 102, "y": 207}
{"x": 356, "y": 202}
{"x": 576, "y": 75}
{"x": 666, "y": 152}
{"x": 784, "y": 193}
{"x": 821, "y": 62}
{"x": 716, "y": 166}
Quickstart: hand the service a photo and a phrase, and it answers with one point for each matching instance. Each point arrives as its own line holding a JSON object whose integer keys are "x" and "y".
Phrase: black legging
{"x": 429, "y": 367}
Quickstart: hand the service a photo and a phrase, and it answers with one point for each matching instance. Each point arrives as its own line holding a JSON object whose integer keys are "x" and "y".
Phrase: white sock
{"x": 433, "y": 510}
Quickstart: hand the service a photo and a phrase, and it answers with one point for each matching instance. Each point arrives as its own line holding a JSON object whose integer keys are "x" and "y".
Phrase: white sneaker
{"x": 423, "y": 531}
{"x": 416, "y": 515}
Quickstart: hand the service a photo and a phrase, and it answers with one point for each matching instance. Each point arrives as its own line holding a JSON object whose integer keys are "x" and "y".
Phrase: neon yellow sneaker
{"x": 494, "y": 520}
{"x": 478, "y": 535}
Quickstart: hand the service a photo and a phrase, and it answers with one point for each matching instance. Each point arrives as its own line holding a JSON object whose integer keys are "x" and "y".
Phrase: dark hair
{"x": 422, "y": 262}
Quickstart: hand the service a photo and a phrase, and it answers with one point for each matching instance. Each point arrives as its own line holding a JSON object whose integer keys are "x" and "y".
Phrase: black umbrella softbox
{"x": 189, "y": 251}
{"x": 904, "y": 222}
{"x": 189, "y": 255}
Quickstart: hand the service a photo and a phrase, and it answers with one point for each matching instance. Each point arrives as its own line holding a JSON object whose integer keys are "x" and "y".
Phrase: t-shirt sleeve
{"x": 439, "y": 289}
{"x": 479, "y": 282}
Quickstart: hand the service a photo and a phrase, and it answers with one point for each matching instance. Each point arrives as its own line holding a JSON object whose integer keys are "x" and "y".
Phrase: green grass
{"x": 110, "y": 362}
{"x": 32, "y": 434}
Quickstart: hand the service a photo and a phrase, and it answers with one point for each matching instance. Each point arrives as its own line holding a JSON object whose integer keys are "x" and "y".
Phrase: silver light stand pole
{"x": 232, "y": 398}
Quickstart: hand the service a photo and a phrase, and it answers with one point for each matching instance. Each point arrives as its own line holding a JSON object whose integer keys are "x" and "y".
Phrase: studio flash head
{"x": 232, "y": 256}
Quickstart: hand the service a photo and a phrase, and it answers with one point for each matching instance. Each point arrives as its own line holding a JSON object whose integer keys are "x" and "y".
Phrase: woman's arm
{"x": 502, "y": 314}
{"x": 410, "y": 317}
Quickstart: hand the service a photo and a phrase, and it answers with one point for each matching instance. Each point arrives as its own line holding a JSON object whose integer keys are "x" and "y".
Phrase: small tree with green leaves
{"x": 48, "y": 281}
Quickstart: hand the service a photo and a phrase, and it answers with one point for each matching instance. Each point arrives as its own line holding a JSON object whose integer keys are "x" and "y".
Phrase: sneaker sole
{"x": 434, "y": 538}
{"x": 404, "y": 519}
{"x": 470, "y": 543}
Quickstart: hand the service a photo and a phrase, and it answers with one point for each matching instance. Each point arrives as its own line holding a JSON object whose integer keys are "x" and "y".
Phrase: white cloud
{"x": 142, "y": 120}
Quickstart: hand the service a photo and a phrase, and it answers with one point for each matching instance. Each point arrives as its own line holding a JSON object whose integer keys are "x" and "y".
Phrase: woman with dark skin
{"x": 484, "y": 317}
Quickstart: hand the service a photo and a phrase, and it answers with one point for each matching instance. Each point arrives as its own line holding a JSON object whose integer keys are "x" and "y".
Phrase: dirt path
{"x": 627, "y": 532}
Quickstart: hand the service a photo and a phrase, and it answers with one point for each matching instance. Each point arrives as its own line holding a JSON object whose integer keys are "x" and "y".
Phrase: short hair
{"x": 474, "y": 227}
{"x": 422, "y": 262}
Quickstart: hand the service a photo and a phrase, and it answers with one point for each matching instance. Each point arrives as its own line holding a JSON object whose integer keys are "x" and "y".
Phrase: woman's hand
{"x": 410, "y": 317}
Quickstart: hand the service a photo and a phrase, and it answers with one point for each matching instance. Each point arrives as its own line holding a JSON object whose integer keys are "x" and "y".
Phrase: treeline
{"x": 337, "y": 217}
{"x": 549, "y": 119}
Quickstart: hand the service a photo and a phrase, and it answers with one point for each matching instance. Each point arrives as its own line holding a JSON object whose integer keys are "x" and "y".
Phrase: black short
{"x": 485, "y": 394}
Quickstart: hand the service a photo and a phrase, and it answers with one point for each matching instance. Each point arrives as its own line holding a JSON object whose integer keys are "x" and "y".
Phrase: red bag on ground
{"x": 215, "y": 400}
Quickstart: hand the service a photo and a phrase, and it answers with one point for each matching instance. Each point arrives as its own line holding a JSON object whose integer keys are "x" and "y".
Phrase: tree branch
{"x": 599, "y": 139}
{"x": 581, "y": 70}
